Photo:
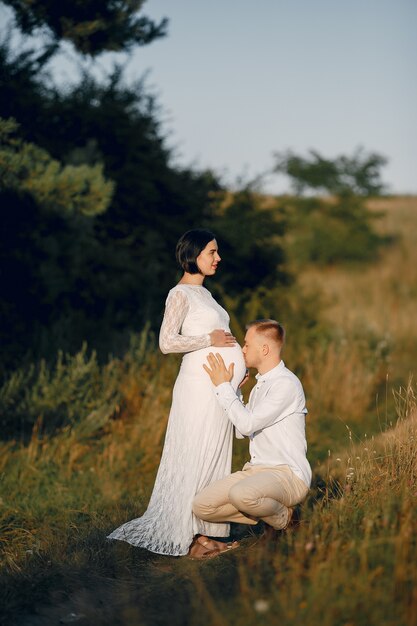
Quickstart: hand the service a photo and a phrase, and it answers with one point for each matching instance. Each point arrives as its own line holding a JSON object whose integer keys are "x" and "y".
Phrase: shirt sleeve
{"x": 239, "y": 394}
{"x": 170, "y": 338}
{"x": 275, "y": 406}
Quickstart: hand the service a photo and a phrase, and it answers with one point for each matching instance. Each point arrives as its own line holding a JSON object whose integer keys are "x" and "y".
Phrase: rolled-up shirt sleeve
{"x": 170, "y": 337}
{"x": 278, "y": 404}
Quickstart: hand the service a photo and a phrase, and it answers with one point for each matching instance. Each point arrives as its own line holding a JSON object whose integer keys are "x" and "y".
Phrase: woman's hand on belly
{"x": 222, "y": 339}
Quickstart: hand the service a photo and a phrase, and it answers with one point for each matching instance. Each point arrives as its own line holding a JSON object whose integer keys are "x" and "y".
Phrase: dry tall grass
{"x": 372, "y": 309}
{"x": 353, "y": 559}
{"x": 381, "y": 298}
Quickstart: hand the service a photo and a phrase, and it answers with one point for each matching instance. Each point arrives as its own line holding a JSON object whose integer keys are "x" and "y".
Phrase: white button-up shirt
{"x": 273, "y": 419}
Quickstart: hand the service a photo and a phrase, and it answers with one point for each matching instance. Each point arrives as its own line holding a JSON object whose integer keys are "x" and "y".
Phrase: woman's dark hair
{"x": 189, "y": 247}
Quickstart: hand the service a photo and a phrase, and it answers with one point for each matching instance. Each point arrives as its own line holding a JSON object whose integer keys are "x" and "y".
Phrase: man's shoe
{"x": 292, "y": 522}
{"x": 289, "y": 518}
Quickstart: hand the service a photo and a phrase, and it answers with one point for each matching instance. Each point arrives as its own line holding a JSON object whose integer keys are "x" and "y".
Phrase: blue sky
{"x": 238, "y": 81}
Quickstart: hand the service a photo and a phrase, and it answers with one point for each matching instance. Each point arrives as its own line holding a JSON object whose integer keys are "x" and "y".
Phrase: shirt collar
{"x": 271, "y": 373}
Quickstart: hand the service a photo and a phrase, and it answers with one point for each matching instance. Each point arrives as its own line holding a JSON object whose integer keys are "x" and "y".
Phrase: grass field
{"x": 352, "y": 560}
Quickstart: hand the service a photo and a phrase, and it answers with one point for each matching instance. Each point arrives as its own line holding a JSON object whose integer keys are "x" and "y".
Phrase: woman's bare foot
{"x": 204, "y": 548}
{"x": 223, "y": 546}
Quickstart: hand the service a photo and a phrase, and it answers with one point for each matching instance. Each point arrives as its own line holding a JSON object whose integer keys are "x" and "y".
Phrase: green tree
{"x": 47, "y": 217}
{"x": 359, "y": 174}
{"x": 337, "y": 225}
{"x": 92, "y": 26}
{"x": 71, "y": 189}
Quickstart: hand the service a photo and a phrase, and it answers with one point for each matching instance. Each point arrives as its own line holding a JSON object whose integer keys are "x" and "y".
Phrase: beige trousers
{"x": 256, "y": 492}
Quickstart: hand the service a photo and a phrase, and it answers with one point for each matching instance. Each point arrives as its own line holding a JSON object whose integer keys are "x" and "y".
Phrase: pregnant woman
{"x": 198, "y": 441}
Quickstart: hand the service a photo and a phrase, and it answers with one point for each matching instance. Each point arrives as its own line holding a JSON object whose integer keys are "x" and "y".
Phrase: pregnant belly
{"x": 192, "y": 363}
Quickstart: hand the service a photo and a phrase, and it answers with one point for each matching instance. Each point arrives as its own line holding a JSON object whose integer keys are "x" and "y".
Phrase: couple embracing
{"x": 195, "y": 496}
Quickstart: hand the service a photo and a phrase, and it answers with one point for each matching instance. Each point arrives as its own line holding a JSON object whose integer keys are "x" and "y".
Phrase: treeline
{"x": 93, "y": 203}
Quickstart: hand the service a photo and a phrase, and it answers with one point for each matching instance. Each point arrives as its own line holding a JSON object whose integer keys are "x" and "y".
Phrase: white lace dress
{"x": 198, "y": 441}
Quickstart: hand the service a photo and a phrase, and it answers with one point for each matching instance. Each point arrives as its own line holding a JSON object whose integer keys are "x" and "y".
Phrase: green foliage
{"x": 64, "y": 395}
{"x": 327, "y": 232}
{"x": 75, "y": 391}
{"x": 92, "y": 26}
{"x": 24, "y": 167}
{"x": 358, "y": 175}
{"x": 338, "y": 228}
{"x": 23, "y": 84}
{"x": 48, "y": 249}
{"x": 251, "y": 239}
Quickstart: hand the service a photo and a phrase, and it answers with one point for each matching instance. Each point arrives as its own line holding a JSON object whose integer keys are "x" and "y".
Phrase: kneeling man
{"x": 278, "y": 476}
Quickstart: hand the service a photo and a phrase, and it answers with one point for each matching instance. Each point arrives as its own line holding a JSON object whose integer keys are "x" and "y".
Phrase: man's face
{"x": 252, "y": 348}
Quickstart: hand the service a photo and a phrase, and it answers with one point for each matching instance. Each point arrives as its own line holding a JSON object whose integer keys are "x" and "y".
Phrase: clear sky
{"x": 240, "y": 80}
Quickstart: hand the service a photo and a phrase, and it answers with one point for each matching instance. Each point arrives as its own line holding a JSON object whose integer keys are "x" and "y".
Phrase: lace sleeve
{"x": 170, "y": 339}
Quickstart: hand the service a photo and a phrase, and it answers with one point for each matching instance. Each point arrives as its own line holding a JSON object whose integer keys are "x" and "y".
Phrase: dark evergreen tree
{"x": 92, "y": 26}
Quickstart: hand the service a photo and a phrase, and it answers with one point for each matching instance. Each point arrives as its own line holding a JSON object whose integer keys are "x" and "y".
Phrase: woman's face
{"x": 208, "y": 259}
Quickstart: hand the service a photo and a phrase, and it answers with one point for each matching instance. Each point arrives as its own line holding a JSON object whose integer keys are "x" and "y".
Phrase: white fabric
{"x": 274, "y": 420}
{"x": 198, "y": 441}
{"x": 170, "y": 339}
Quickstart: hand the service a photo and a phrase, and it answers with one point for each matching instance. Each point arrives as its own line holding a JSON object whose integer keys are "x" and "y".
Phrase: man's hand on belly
{"x": 217, "y": 371}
